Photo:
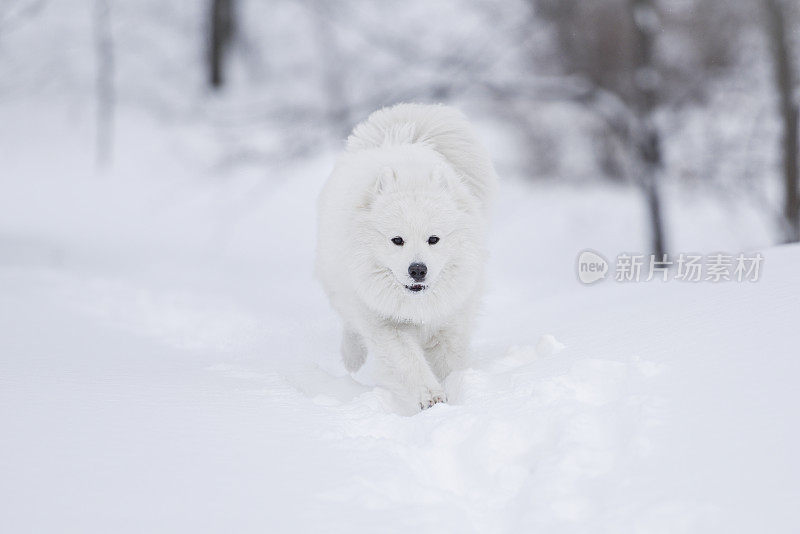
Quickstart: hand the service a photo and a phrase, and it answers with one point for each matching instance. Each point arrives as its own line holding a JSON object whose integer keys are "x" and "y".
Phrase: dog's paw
{"x": 429, "y": 398}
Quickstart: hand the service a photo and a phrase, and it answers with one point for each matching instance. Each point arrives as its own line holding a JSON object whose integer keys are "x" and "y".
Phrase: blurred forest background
{"x": 684, "y": 98}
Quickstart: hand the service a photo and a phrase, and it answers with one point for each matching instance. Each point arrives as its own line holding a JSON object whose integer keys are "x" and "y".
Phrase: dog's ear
{"x": 437, "y": 175}
{"x": 387, "y": 180}
{"x": 453, "y": 184}
{"x": 448, "y": 180}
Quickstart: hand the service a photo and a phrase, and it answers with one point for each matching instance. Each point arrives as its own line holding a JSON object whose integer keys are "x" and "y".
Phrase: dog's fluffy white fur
{"x": 411, "y": 172}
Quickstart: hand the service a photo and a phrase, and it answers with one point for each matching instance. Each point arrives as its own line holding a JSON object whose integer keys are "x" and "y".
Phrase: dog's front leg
{"x": 402, "y": 364}
{"x": 447, "y": 350}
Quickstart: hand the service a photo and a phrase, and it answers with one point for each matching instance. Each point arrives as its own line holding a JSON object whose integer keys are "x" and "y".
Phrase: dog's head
{"x": 420, "y": 239}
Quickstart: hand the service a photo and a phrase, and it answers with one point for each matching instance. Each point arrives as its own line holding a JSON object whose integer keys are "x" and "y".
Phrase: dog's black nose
{"x": 417, "y": 271}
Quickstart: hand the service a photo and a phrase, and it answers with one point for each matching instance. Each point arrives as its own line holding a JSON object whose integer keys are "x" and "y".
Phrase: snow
{"x": 548, "y": 345}
{"x": 168, "y": 363}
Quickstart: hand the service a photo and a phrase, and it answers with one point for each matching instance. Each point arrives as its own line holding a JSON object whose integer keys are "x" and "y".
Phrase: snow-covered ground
{"x": 169, "y": 364}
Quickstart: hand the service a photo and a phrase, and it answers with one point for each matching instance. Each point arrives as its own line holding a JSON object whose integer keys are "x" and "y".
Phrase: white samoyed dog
{"x": 401, "y": 245}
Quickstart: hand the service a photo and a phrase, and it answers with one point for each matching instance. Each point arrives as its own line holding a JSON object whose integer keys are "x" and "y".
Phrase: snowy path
{"x": 156, "y": 379}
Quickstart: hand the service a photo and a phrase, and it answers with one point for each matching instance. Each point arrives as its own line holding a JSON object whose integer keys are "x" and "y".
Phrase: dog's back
{"x": 442, "y": 128}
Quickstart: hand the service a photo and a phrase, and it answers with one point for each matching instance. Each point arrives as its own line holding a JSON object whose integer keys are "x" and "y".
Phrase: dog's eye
{"x": 398, "y": 241}
{"x": 432, "y": 240}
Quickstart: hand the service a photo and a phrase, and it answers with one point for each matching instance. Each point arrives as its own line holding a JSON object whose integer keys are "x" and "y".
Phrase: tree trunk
{"x": 104, "y": 83}
{"x": 338, "y": 110}
{"x": 647, "y": 139}
{"x": 782, "y": 60}
{"x": 222, "y": 27}
{"x": 650, "y": 156}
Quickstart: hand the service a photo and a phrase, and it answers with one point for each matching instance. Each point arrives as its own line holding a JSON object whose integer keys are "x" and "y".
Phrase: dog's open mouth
{"x": 416, "y": 287}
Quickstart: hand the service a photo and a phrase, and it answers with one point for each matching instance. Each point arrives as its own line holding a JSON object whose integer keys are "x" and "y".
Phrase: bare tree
{"x": 222, "y": 28}
{"x": 782, "y": 60}
{"x": 645, "y": 98}
{"x": 333, "y": 75}
{"x": 610, "y": 46}
{"x": 104, "y": 82}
